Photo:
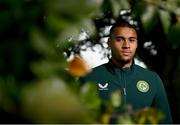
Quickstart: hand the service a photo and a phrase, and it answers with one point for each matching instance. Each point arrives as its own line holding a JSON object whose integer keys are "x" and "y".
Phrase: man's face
{"x": 123, "y": 44}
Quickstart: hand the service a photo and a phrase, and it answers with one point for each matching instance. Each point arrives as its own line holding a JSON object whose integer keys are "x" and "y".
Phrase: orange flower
{"x": 78, "y": 67}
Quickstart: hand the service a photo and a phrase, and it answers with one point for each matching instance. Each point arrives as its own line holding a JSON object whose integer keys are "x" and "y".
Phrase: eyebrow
{"x": 124, "y": 37}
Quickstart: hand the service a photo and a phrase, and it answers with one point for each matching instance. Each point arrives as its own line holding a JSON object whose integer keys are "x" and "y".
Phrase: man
{"x": 141, "y": 88}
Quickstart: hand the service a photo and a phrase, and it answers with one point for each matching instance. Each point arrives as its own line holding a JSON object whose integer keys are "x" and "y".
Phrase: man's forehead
{"x": 124, "y": 31}
{"x": 120, "y": 28}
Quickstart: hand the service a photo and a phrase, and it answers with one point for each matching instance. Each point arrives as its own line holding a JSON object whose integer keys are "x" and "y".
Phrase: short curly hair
{"x": 122, "y": 23}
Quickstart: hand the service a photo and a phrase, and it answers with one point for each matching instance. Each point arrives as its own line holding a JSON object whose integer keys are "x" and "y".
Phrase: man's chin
{"x": 125, "y": 61}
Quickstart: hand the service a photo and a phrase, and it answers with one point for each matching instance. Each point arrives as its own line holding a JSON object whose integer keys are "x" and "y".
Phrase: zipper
{"x": 124, "y": 88}
{"x": 123, "y": 85}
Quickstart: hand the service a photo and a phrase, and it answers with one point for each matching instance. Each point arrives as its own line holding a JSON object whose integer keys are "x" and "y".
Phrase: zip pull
{"x": 124, "y": 90}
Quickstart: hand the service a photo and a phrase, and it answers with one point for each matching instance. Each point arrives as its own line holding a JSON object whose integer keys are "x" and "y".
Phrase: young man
{"x": 140, "y": 87}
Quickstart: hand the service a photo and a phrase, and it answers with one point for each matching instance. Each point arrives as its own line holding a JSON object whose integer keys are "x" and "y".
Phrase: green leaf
{"x": 149, "y": 18}
{"x": 116, "y": 98}
{"x": 44, "y": 69}
{"x": 177, "y": 12}
{"x": 165, "y": 20}
{"x": 88, "y": 26}
{"x": 90, "y": 98}
{"x": 118, "y": 5}
{"x": 89, "y": 95}
{"x": 41, "y": 43}
{"x": 173, "y": 35}
{"x": 125, "y": 119}
{"x": 8, "y": 94}
{"x": 173, "y": 5}
{"x": 51, "y": 101}
{"x": 138, "y": 9}
{"x": 5, "y": 20}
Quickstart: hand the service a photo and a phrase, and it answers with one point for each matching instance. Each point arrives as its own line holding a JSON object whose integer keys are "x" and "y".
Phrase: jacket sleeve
{"x": 161, "y": 102}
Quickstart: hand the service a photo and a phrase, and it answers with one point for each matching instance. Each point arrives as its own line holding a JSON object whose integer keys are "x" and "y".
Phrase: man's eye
{"x": 119, "y": 39}
{"x": 132, "y": 40}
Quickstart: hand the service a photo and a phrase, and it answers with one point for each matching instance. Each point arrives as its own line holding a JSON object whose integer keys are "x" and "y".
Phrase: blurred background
{"x": 47, "y": 44}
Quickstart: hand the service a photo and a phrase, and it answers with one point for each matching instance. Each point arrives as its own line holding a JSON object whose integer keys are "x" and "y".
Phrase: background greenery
{"x": 38, "y": 35}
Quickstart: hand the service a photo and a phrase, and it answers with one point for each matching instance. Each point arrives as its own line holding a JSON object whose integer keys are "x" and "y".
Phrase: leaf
{"x": 149, "y": 18}
{"x": 88, "y": 26}
{"x": 148, "y": 115}
{"x": 173, "y": 35}
{"x": 165, "y": 20}
{"x": 8, "y": 94}
{"x": 43, "y": 69}
{"x": 125, "y": 119}
{"x": 138, "y": 9}
{"x": 51, "y": 101}
{"x": 177, "y": 12}
{"x": 116, "y": 98}
{"x": 173, "y": 6}
{"x": 105, "y": 118}
{"x": 41, "y": 44}
{"x": 70, "y": 12}
{"x": 5, "y": 20}
{"x": 89, "y": 96}
{"x": 118, "y": 5}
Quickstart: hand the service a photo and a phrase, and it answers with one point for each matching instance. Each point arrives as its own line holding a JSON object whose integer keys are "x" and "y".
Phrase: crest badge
{"x": 142, "y": 86}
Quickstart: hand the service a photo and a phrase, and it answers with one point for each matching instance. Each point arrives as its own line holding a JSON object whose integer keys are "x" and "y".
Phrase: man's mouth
{"x": 126, "y": 53}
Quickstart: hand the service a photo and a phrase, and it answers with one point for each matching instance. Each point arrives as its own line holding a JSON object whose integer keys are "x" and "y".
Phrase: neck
{"x": 122, "y": 64}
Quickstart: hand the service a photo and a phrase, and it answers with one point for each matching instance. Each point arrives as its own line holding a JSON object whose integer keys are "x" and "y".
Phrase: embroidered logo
{"x": 103, "y": 87}
{"x": 142, "y": 86}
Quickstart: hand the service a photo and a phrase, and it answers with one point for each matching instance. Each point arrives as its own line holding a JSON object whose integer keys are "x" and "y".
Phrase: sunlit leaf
{"x": 66, "y": 13}
{"x": 142, "y": 120}
{"x": 89, "y": 95}
{"x": 116, "y": 98}
{"x": 90, "y": 98}
{"x": 148, "y": 115}
{"x": 118, "y": 5}
{"x": 45, "y": 69}
{"x": 80, "y": 7}
{"x": 50, "y": 101}
{"x": 177, "y": 12}
{"x": 105, "y": 118}
{"x": 88, "y": 26}
{"x": 149, "y": 18}
{"x": 125, "y": 119}
{"x": 165, "y": 20}
{"x": 173, "y": 6}
{"x": 41, "y": 44}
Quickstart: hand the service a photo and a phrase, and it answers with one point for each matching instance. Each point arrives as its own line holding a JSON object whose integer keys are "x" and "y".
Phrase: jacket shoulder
{"x": 145, "y": 71}
{"x": 94, "y": 74}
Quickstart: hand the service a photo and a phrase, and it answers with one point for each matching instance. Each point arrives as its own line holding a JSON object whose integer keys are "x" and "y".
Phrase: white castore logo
{"x": 103, "y": 87}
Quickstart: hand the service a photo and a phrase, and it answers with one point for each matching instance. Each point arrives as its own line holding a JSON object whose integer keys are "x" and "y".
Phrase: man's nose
{"x": 126, "y": 43}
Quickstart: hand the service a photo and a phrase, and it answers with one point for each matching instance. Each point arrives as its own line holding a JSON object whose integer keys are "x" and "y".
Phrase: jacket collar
{"x": 113, "y": 68}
